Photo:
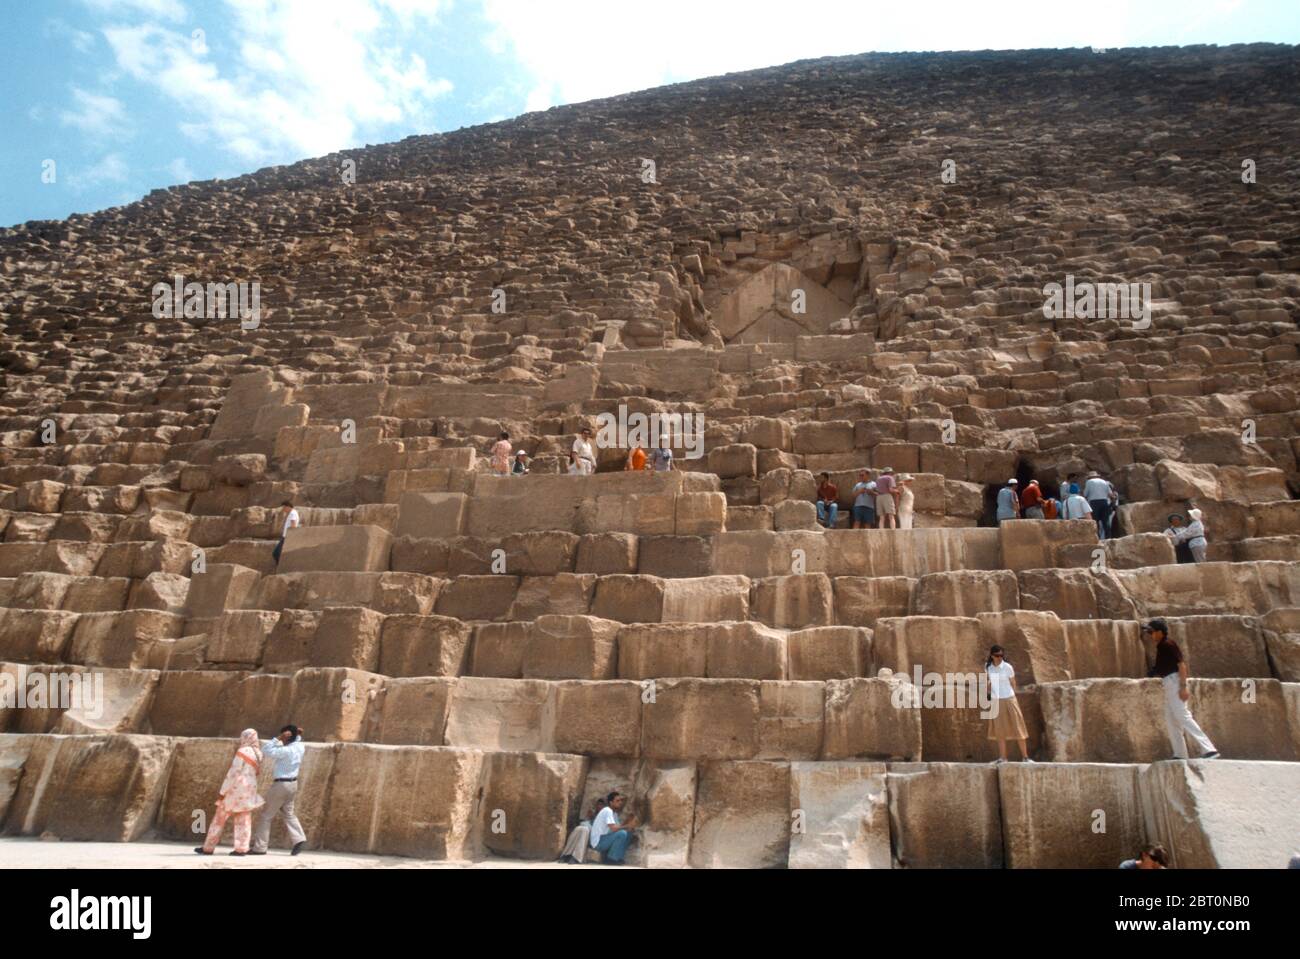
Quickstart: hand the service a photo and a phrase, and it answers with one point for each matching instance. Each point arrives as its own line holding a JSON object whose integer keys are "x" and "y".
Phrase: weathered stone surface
{"x": 945, "y": 816}
{"x": 842, "y": 815}
{"x": 742, "y": 816}
{"x": 1051, "y": 815}
{"x": 865, "y": 719}
{"x": 336, "y": 549}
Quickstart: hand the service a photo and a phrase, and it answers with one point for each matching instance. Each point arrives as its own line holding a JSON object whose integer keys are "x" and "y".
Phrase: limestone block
{"x": 259, "y": 702}
{"x": 862, "y": 600}
{"x": 239, "y": 636}
{"x": 191, "y": 702}
{"x": 795, "y": 602}
{"x": 1034, "y": 642}
{"x": 607, "y": 553}
{"x": 564, "y": 594}
{"x": 36, "y": 635}
{"x": 842, "y": 813}
{"x": 598, "y": 718}
{"x": 675, "y": 556}
{"x": 533, "y": 800}
{"x": 965, "y": 593}
{"x": 701, "y": 514}
{"x": 1221, "y": 646}
{"x": 1281, "y": 632}
{"x": 498, "y": 650}
{"x": 700, "y": 719}
{"x": 423, "y": 646}
{"x": 1104, "y": 648}
{"x": 499, "y": 714}
{"x": 945, "y": 815}
{"x": 1077, "y": 593}
{"x": 791, "y": 720}
{"x": 540, "y": 553}
{"x": 478, "y": 597}
{"x": 745, "y": 650}
{"x": 571, "y": 647}
{"x": 347, "y": 636}
{"x": 431, "y": 515}
{"x": 336, "y": 549}
{"x": 1050, "y": 815}
{"x": 653, "y": 650}
{"x": 331, "y": 704}
{"x": 742, "y": 816}
{"x": 863, "y": 722}
{"x": 1036, "y": 544}
{"x": 829, "y": 652}
{"x": 410, "y": 711}
{"x": 107, "y": 701}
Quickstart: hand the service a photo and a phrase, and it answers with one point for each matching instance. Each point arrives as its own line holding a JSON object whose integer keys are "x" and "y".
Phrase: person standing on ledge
{"x": 663, "y": 458}
{"x": 636, "y": 458}
{"x": 286, "y": 751}
{"x": 1031, "y": 501}
{"x": 886, "y": 505}
{"x": 501, "y": 455}
{"x": 520, "y": 466}
{"x": 1098, "y": 494}
{"x": 906, "y": 499}
{"x": 583, "y": 454}
{"x": 1008, "y": 502}
{"x": 291, "y": 521}
{"x": 1006, "y": 721}
{"x": 1171, "y": 669}
{"x": 864, "y": 501}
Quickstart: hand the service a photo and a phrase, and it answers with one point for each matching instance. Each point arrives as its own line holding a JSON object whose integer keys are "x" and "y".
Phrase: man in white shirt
{"x": 609, "y": 836}
{"x": 1098, "y": 494}
{"x": 1076, "y": 507}
{"x": 583, "y": 455}
{"x": 291, "y": 521}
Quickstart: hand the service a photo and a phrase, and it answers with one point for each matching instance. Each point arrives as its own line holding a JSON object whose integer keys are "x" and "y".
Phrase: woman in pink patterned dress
{"x": 238, "y": 797}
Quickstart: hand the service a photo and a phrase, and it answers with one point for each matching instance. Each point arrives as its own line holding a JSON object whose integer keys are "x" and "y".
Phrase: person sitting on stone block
{"x": 575, "y": 849}
{"x": 1170, "y": 667}
{"x": 291, "y": 521}
{"x": 864, "y": 501}
{"x": 501, "y": 455}
{"x": 1152, "y": 856}
{"x": 609, "y": 835}
{"x": 827, "y": 506}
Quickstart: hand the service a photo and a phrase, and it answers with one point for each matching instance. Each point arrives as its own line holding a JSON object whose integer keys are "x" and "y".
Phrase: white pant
{"x": 1179, "y": 720}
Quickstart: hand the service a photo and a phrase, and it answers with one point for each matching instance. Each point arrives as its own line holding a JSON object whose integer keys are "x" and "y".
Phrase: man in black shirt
{"x": 1171, "y": 669}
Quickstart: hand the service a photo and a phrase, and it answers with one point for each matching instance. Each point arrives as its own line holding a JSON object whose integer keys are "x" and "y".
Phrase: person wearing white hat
{"x": 520, "y": 465}
{"x": 1099, "y": 493}
{"x": 1008, "y": 501}
{"x": 1193, "y": 534}
{"x": 905, "y": 500}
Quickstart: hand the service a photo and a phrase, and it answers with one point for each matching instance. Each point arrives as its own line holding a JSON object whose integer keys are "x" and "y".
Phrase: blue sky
{"x": 109, "y": 99}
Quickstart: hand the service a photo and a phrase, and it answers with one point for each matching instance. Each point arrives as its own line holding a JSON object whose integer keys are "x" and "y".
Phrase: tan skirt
{"x": 1008, "y": 723}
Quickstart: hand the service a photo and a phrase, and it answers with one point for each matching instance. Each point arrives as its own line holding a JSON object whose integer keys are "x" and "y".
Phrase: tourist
{"x": 238, "y": 797}
{"x": 1098, "y": 494}
{"x": 1031, "y": 501}
{"x": 583, "y": 454}
{"x": 291, "y": 521}
{"x": 286, "y": 751}
{"x": 886, "y": 504}
{"x": 636, "y": 459}
{"x": 864, "y": 501}
{"x": 827, "y": 506}
{"x": 663, "y": 456}
{"x": 609, "y": 835}
{"x": 520, "y": 465}
{"x": 575, "y": 849}
{"x": 906, "y": 499}
{"x": 1182, "y": 552}
{"x": 1193, "y": 534}
{"x": 501, "y": 455}
{"x": 1008, "y": 502}
{"x": 1075, "y": 506}
{"x": 1005, "y": 719}
{"x": 1070, "y": 481}
{"x": 1152, "y": 856}
{"x": 1171, "y": 669}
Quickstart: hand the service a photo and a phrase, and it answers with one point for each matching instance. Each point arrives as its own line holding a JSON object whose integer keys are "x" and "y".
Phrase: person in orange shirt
{"x": 635, "y": 459}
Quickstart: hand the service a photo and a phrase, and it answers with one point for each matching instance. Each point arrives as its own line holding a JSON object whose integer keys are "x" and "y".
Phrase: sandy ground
{"x": 31, "y": 853}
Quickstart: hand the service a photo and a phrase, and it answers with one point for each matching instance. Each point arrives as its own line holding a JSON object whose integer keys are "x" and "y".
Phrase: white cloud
{"x": 166, "y": 9}
{"x": 180, "y": 170}
{"x": 294, "y": 78}
{"x": 95, "y": 114}
{"x": 111, "y": 168}
{"x": 577, "y": 50}
{"x": 81, "y": 41}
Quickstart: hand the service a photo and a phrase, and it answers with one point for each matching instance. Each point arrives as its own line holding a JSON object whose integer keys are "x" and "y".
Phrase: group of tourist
{"x": 1095, "y": 499}
{"x": 1188, "y": 536}
{"x": 887, "y": 502}
{"x": 582, "y": 457}
{"x": 604, "y": 831}
{"x": 238, "y": 797}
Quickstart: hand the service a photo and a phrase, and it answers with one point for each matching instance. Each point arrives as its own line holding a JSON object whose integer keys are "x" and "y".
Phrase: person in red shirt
{"x": 827, "y": 501}
{"x": 1031, "y": 501}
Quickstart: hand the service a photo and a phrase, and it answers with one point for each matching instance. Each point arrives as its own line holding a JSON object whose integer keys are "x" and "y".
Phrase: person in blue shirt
{"x": 286, "y": 752}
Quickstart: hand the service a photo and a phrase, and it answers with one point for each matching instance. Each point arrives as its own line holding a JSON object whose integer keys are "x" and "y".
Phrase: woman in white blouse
{"x": 1005, "y": 719}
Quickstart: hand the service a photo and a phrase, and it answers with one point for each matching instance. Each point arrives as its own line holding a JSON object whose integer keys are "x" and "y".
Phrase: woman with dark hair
{"x": 1005, "y": 719}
